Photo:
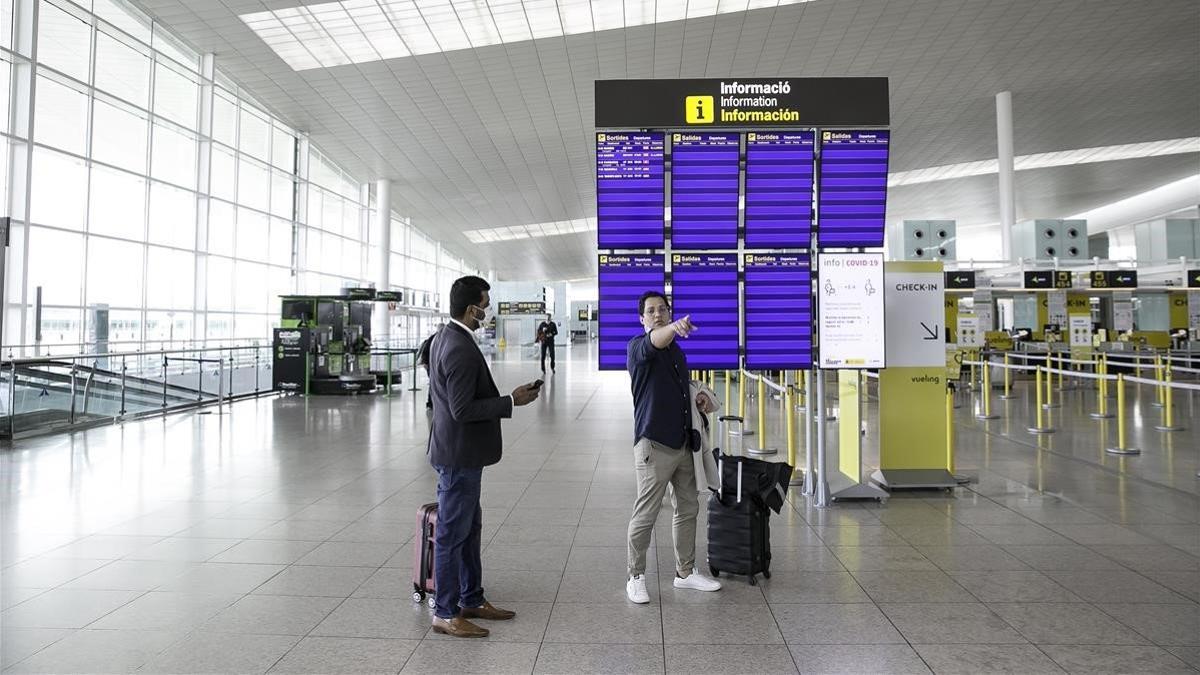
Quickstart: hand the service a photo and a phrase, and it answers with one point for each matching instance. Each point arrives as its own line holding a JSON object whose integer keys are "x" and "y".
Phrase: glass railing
{"x": 53, "y": 393}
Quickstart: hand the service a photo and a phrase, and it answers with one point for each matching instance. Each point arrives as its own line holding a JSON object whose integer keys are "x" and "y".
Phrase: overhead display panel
{"x": 629, "y": 190}
{"x": 850, "y": 310}
{"x": 704, "y": 190}
{"x": 779, "y": 189}
{"x": 853, "y": 189}
{"x": 742, "y": 102}
{"x": 622, "y": 279}
{"x": 778, "y": 311}
{"x": 705, "y": 286}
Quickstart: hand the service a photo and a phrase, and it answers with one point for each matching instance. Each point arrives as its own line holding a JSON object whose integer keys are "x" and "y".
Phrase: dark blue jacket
{"x": 467, "y": 406}
{"x": 659, "y": 378}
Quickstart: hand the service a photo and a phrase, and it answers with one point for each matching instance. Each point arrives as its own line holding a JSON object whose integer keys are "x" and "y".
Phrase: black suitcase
{"x": 739, "y": 533}
{"x": 422, "y": 573}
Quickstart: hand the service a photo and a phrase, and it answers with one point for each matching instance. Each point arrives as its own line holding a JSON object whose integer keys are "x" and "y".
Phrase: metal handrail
{"x": 113, "y": 355}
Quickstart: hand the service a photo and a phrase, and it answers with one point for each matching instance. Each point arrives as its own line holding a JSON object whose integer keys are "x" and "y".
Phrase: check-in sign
{"x": 915, "y": 314}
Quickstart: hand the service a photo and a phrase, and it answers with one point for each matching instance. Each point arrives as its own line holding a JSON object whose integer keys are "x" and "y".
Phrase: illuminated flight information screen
{"x": 779, "y": 311}
{"x": 705, "y": 286}
{"x": 853, "y": 182}
{"x": 629, "y": 190}
{"x": 779, "y": 189}
{"x": 704, "y": 190}
{"x": 622, "y": 280}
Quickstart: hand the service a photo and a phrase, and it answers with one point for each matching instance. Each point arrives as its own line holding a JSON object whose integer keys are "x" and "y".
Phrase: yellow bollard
{"x": 1041, "y": 427}
{"x": 1062, "y": 365}
{"x": 1168, "y": 415}
{"x": 1121, "y": 448}
{"x": 1158, "y": 377}
{"x": 1007, "y": 380}
{"x": 741, "y": 395}
{"x": 728, "y": 402}
{"x": 950, "y": 429}
{"x": 1101, "y": 391}
{"x": 790, "y": 424}
{"x": 986, "y": 414}
{"x": 1049, "y": 402}
{"x": 762, "y": 410}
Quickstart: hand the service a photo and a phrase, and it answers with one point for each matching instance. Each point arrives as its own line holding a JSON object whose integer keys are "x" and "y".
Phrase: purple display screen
{"x": 853, "y": 181}
{"x": 779, "y": 311}
{"x": 704, "y": 190}
{"x": 629, "y": 190}
{"x": 705, "y": 286}
{"x": 622, "y": 280}
{"x": 779, "y": 189}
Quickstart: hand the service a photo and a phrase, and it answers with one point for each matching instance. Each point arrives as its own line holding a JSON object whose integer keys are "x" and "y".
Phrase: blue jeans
{"x": 457, "y": 565}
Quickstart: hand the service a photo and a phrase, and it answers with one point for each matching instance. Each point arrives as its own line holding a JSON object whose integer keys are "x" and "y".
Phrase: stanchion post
{"x": 741, "y": 394}
{"x": 1158, "y": 377}
{"x": 1102, "y": 412}
{"x": 1122, "y": 448}
{"x": 388, "y": 393}
{"x": 1168, "y": 413}
{"x": 307, "y": 371}
{"x": 1007, "y": 380}
{"x": 789, "y": 426}
{"x": 808, "y": 434}
{"x": 727, "y": 399}
{"x": 821, "y": 487}
{"x": 762, "y": 410}
{"x": 1049, "y": 401}
{"x": 986, "y": 413}
{"x": 1039, "y": 408}
{"x": 950, "y": 429}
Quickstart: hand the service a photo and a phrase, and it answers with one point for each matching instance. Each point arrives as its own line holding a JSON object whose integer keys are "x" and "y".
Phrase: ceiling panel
{"x": 502, "y": 135}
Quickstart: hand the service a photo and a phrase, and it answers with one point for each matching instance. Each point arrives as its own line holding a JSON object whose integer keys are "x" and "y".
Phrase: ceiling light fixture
{"x": 357, "y": 31}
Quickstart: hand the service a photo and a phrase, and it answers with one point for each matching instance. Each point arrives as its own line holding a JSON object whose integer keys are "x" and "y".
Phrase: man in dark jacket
{"x": 546, "y": 332}
{"x": 464, "y": 437}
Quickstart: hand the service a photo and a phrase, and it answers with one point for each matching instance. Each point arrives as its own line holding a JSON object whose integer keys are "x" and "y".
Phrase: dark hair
{"x": 464, "y": 292}
{"x": 651, "y": 294}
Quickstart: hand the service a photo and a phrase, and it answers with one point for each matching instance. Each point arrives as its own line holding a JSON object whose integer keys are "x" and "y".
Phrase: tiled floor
{"x": 276, "y": 538}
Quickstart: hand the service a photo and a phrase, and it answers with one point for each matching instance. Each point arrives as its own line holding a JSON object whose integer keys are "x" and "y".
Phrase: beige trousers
{"x": 658, "y": 466}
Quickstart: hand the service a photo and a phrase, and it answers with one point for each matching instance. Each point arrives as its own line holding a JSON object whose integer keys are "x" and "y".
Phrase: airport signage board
{"x": 1114, "y": 279}
{"x": 780, "y": 170}
{"x": 850, "y": 311}
{"x": 1048, "y": 279}
{"x": 529, "y": 307}
{"x": 852, "y": 199}
{"x": 630, "y": 184}
{"x": 742, "y": 103}
{"x": 622, "y": 278}
{"x": 705, "y": 178}
{"x": 704, "y": 286}
{"x": 778, "y": 311}
{"x": 1193, "y": 278}
{"x": 960, "y": 281}
{"x": 915, "y": 314}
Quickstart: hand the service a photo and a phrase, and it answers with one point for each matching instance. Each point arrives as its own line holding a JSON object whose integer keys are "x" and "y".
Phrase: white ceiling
{"x": 501, "y": 135}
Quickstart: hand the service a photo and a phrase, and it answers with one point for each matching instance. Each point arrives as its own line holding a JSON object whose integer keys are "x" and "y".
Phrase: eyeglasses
{"x": 661, "y": 309}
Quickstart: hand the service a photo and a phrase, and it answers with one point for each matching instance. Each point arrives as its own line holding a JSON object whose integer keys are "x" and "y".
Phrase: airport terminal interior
{"x": 942, "y": 258}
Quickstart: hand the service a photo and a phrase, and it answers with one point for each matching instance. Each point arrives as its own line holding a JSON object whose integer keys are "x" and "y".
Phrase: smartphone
{"x": 537, "y": 384}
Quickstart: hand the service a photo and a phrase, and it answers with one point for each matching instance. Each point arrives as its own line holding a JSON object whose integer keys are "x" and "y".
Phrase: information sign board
{"x": 853, "y": 194}
{"x": 629, "y": 190}
{"x": 850, "y": 321}
{"x": 779, "y": 189}
{"x": 621, "y": 280}
{"x": 778, "y": 311}
{"x": 704, "y": 190}
{"x": 705, "y": 286}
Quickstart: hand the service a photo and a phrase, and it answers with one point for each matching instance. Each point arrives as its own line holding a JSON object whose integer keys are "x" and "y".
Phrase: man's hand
{"x": 525, "y": 394}
{"x": 683, "y": 327}
{"x": 704, "y": 403}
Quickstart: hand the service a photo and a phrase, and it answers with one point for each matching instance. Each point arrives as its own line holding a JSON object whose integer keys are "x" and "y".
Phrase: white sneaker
{"x": 697, "y": 582}
{"x": 635, "y": 588}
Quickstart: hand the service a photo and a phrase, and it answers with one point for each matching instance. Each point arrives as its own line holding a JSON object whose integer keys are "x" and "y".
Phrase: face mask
{"x": 487, "y": 317}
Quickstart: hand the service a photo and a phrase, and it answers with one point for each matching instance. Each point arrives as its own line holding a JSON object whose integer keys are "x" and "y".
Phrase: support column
{"x": 1004, "y": 145}
{"x": 381, "y": 323}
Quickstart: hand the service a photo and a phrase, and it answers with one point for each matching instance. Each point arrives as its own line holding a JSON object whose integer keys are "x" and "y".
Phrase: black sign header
{"x": 1193, "y": 278}
{"x": 1114, "y": 279}
{"x": 523, "y": 307}
{"x": 743, "y": 103}
{"x": 964, "y": 280}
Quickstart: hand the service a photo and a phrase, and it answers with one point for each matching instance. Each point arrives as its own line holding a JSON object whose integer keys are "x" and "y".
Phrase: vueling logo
{"x": 698, "y": 109}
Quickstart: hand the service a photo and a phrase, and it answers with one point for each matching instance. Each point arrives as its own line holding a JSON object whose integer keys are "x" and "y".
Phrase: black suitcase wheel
{"x": 432, "y": 602}
{"x": 418, "y": 597}
{"x": 715, "y": 572}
